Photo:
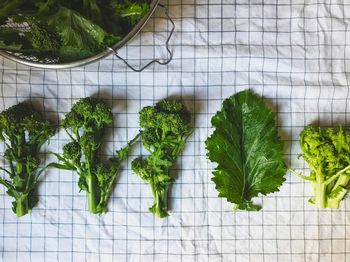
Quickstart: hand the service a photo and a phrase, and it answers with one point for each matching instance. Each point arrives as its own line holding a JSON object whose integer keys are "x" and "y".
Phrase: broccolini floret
{"x": 24, "y": 131}
{"x": 86, "y": 124}
{"x": 165, "y": 129}
{"x": 327, "y": 152}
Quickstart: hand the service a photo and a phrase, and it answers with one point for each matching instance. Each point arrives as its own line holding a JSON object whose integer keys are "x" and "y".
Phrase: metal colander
{"x": 50, "y": 63}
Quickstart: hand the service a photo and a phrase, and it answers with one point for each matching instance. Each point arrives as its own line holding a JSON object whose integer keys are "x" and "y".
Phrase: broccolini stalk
{"x": 165, "y": 129}
{"x": 86, "y": 124}
{"x": 24, "y": 131}
{"x": 327, "y": 152}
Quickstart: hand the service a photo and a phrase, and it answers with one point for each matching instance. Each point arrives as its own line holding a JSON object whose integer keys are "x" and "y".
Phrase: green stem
{"x": 336, "y": 196}
{"x": 19, "y": 167}
{"x": 21, "y": 205}
{"x": 342, "y": 181}
{"x": 246, "y": 205}
{"x": 338, "y": 191}
{"x": 104, "y": 195}
{"x": 320, "y": 195}
{"x": 331, "y": 179}
{"x": 309, "y": 178}
{"x": 70, "y": 136}
{"x": 160, "y": 201}
{"x": 102, "y": 205}
{"x": 91, "y": 194}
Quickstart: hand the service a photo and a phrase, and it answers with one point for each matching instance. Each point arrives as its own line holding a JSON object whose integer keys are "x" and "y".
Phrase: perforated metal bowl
{"x": 49, "y": 64}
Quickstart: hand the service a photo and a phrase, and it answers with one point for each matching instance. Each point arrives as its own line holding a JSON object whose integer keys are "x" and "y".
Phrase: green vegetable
{"x": 247, "y": 149}
{"x": 64, "y": 31}
{"x": 134, "y": 12}
{"x": 24, "y": 131}
{"x": 42, "y": 38}
{"x": 327, "y": 152}
{"x": 86, "y": 124}
{"x": 76, "y": 31}
{"x": 165, "y": 129}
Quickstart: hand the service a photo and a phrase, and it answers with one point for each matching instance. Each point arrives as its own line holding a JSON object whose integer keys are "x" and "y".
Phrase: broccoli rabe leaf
{"x": 134, "y": 11}
{"x": 24, "y": 131}
{"x": 327, "y": 152}
{"x": 76, "y": 31}
{"x": 165, "y": 129}
{"x": 246, "y": 147}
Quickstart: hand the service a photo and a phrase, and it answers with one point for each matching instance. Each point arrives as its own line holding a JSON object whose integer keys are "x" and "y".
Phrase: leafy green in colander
{"x": 66, "y": 30}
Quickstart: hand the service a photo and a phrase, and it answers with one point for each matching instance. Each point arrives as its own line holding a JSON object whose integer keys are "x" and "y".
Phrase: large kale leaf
{"x": 247, "y": 149}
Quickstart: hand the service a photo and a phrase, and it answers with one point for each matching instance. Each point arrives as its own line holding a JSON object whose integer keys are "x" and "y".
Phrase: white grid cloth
{"x": 294, "y": 53}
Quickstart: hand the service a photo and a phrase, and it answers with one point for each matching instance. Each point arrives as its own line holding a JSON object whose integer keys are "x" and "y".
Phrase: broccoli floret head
{"x": 72, "y": 151}
{"x": 102, "y": 114}
{"x": 311, "y": 138}
{"x": 22, "y": 118}
{"x": 319, "y": 147}
{"x": 327, "y": 153}
{"x": 89, "y": 113}
{"x": 147, "y": 117}
{"x": 39, "y": 131}
{"x": 167, "y": 115}
{"x": 85, "y": 106}
{"x": 72, "y": 120}
{"x": 12, "y": 118}
{"x": 171, "y": 106}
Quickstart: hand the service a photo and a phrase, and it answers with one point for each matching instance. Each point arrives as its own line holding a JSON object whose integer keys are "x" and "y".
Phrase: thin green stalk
{"x": 122, "y": 155}
{"x": 331, "y": 179}
{"x": 301, "y": 176}
{"x": 342, "y": 181}
{"x": 320, "y": 195}
{"x": 91, "y": 194}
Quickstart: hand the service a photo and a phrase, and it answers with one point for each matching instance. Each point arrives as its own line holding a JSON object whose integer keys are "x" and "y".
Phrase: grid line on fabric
{"x": 235, "y": 84}
{"x": 194, "y": 120}
{"x": 277, "y": 108}
{"x": 346, "y": 112}
{"x": 290, "y": 147}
